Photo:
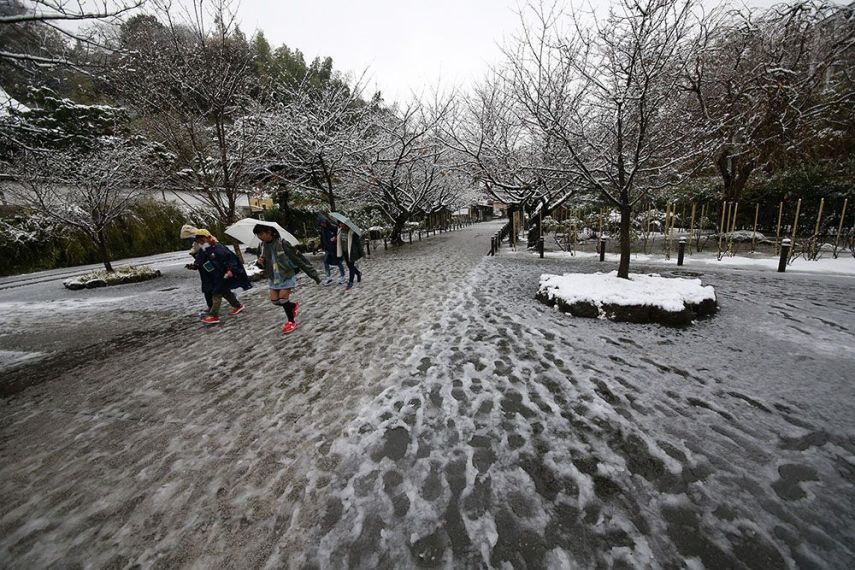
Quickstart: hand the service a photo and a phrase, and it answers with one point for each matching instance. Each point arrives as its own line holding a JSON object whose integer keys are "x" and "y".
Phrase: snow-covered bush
{"x": 121, "y": 276}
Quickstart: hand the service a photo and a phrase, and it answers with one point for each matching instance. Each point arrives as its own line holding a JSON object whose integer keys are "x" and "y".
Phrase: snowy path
{"x": 440, "y": 416}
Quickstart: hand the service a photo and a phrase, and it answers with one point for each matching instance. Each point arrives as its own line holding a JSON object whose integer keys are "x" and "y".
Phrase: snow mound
{"x": 641, "y": 298}
{"x": 121, "y": 276}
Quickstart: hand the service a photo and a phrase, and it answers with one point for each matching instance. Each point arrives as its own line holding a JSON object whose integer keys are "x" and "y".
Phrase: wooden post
{"x": 701, "y": 227}
{"x": 815, "y": 239}
{"x": 692, "y": 224}
{"x": 732, "y": 227}
{"x": 754, "y": 233}
{"x": 669, "y": 221}
{"x": 819, "y": 216}
{"x": 795, "y": 228}
{"x": 795, "y": 224}
{"x": 840, "y": 227}
{"x": 724, "y": 210}
{"x": 778, "y": 232}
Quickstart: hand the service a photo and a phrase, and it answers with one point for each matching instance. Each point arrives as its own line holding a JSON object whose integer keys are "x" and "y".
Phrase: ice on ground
{"x": 12, "y": 358}
{"x": 669, "y": 293}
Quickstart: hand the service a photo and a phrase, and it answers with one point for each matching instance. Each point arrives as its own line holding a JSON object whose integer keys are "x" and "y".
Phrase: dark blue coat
{"x": 328, "y": 239}
{"x": 213, "y": 263}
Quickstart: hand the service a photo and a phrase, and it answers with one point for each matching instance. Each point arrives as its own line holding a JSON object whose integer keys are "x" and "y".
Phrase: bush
{"x": 121, "y": 276}
{"x": 30, "y": 242}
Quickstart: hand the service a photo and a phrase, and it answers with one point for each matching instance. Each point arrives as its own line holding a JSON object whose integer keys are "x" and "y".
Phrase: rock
{"x": 74, "y": 285}
{"x": 95, "y": 283}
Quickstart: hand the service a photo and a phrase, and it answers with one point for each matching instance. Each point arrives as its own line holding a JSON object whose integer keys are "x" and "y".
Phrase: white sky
{"x": 404, "y": 44}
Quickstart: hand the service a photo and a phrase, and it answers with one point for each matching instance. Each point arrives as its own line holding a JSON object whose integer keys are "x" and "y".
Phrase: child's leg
{"x": 209, "y": 300}
{"x": 351, "y": 266}
{"x": 283, "y": 299}
{"x": 327, "y": 271}
{"x": 231, "y": 298}
{"x": 216, "y": 301}
{"x": 340, "y": 268}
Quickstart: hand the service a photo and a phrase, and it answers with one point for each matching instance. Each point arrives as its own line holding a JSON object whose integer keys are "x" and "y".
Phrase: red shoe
{"x": 211, "y": 320}
{"x": 237, "y": 310}
{"x": 289, "y": 327}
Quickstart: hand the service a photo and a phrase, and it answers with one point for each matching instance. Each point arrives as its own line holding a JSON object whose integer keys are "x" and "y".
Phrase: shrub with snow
{"x": 639, "y": 299}
{"x": 121, "y": 276}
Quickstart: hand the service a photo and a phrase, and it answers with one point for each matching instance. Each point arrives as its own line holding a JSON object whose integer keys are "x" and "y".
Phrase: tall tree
{"x": 609, "y": 97}
{"x": 315, "y": 136}
{"x": 192, "y": 83}
{"x": 408, "y": 170}
{"x": 85, "y": 189}
{"x": 774, "y": 85}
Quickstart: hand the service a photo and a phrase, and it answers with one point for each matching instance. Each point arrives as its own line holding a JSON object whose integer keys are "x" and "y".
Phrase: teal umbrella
{"x": 347, "y": 221}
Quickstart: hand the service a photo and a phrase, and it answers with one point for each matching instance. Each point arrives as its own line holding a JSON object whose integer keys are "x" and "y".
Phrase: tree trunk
{"x": 625, "y": 250}
{"x": 104, "y": 250}
{"x": 734, "y": 175}
{"x": 535, "y": 223}
{"x": 397, "y": 229}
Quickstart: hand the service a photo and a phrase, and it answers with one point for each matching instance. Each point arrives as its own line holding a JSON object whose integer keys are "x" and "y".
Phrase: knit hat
{"x": 188, "y": 231}
{"x": 201, "y": 232}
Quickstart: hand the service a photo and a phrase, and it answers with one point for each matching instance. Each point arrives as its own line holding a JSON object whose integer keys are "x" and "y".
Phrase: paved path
{"x": 142, "y": 450}
{"x": 439, "y": 416}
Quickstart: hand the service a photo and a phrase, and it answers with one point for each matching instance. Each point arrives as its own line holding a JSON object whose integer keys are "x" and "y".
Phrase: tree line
{"x": 653, "y": 98}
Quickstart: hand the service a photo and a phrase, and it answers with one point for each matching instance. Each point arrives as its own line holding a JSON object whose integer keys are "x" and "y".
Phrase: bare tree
{"x": 88, "y": 191}
{"x": 407, "y": 171}
{"x": 33, "y": 26}
{"x": 507, "y": 152}
{"x": 314, "y": 136}
{"x": 772, "y": 84}
{"x": 190, "y": 79}
{"x": 609, "y": 96}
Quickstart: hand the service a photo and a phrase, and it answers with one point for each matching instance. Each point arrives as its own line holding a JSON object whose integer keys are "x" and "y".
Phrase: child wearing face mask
{"x": 221, "y": 271}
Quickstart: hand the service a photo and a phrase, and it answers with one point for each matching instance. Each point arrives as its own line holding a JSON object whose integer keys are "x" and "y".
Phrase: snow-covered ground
{"x": 437, "y": 415}
{"x": 844, "y": 264}
{"x": 667, "y": 293}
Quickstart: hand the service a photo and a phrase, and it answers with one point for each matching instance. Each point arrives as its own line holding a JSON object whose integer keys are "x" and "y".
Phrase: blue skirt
{"x": 289, "y": 283}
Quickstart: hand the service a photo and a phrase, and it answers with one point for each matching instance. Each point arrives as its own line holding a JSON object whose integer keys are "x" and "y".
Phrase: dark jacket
{"x": 328, "y": 240}
{"x": 294, "y": 260}
{"x": 213, "y": 263}
{"x": 356, "y": 251}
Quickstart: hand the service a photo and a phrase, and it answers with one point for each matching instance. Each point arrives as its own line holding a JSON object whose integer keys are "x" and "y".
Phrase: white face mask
{"x": 204, "y": 246}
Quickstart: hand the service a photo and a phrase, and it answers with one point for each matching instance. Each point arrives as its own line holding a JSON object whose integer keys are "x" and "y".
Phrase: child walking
{"x": 188, "y": 234}
{"x": 281, "y": 261}
{"x": 328, "y": 244}
{"x": 221, "y": 271}
{"x": 349, "y": 247}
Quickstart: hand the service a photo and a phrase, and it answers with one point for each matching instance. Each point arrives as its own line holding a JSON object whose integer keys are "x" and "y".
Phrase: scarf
{"x": 338, "y": 250}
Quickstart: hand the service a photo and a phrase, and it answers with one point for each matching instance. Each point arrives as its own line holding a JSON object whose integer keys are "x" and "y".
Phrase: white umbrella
{"x": 242, "y": 231}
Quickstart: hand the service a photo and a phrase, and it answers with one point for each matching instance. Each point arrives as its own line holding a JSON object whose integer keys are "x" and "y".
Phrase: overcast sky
{"x": 404, "y": 44}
